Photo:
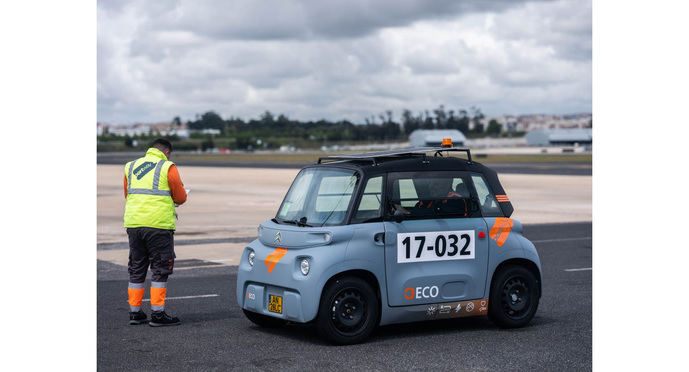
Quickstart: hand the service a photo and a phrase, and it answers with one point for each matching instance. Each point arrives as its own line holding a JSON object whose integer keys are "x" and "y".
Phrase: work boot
{"x": 137, "y": 317}
{"x": 160, "y": 319}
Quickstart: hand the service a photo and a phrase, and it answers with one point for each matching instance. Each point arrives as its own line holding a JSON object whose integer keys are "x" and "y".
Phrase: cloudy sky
{"x": 340, "y": 59}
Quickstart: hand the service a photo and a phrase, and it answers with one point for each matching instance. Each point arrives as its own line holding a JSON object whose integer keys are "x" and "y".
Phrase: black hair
{"x": 162, "y": 142}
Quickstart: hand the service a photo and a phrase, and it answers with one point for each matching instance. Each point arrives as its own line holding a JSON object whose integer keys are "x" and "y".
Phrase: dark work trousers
{"x": 150, "y": 246}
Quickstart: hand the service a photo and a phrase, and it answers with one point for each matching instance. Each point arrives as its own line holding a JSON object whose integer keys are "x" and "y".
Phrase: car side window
{"x": 407, "y": 193}
{"x": 489, "y": 206}
{"x": 370, "y": 205}
{"x": 430, "y": 195}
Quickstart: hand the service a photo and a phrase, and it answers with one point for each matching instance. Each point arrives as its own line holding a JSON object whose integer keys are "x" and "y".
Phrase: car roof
{"x": 408, "y": 164}
{"x": 424, "y": 159}
{"x": 406, "y": 160}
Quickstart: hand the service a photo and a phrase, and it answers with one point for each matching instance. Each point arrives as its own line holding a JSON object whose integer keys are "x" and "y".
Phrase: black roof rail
{"x": 438, "y": 153}
{"x": 337, "y": 158}
{"x": 415, "y": 151}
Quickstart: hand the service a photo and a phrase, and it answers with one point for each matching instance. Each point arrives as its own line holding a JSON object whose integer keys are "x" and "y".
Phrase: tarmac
{"x": 226, "y": 205}
{"x": 559, "y": 168}
{"x": 221, "y": 215}
{"x": 216, "y": 336}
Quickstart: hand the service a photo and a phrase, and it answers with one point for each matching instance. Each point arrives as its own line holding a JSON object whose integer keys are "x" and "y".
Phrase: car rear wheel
{"x": 264, "y": 320}
{"x": 348, "y": 312}
{"x": 514, "y": 296}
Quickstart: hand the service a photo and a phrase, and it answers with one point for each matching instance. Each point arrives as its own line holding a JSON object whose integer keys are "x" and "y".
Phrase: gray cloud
{"x": 278, "y": 19}
{"x": 333, "y": 59}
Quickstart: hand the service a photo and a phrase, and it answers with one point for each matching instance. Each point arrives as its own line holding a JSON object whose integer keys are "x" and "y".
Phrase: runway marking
{"x": 582, "y": 269}
{"x": 185, "y": 297}
{"x": 560, "y": 240}
{"x": 221, "y": 260}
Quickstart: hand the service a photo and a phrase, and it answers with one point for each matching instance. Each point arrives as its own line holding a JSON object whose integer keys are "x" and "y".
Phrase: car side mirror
{"x": 398, "y": 216}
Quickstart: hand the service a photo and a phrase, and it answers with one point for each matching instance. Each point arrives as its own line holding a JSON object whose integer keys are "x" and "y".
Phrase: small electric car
{"x": 390, "y": 237}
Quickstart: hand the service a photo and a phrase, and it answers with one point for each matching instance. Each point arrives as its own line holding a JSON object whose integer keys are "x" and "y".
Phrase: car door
{"x": 435, "y": 248}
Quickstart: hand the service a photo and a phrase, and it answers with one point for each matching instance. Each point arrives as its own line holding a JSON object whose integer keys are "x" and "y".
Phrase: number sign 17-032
{"x": 435, "y": 246}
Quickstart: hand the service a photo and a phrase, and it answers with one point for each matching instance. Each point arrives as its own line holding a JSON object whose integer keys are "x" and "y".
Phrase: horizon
{"x": 257, "y": 117}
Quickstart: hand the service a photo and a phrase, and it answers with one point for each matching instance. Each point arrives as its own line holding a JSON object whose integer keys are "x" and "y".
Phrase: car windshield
{"x": 318, "y": 197}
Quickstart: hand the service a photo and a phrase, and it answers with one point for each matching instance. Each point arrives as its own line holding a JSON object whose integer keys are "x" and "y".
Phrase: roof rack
{"x": 408, "y": 152}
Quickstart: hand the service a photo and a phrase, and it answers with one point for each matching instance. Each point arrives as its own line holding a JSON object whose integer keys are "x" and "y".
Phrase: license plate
{"x": 275, "y": 304}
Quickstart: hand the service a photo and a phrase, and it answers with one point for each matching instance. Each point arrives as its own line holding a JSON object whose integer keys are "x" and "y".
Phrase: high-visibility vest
{"x": 149, "y": 201}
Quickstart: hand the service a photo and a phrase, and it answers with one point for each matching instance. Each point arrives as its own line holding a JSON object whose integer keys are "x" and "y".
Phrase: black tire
{"x": 264, "y": 321}
{"x": 514, "y": 296}
{"x": 348, "y": 311}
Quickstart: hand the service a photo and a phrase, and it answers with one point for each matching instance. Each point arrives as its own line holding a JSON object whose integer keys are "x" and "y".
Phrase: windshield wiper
{"x": 301, "y": 222}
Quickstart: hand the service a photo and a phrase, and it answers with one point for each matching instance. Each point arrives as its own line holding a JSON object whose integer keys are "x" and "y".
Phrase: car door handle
{"x": 379, "y": 238}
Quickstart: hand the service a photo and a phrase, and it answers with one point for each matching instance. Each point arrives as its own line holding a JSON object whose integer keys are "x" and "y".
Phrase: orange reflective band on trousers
{"x": 158, "y": 292}
{"x": 135, "y": 296}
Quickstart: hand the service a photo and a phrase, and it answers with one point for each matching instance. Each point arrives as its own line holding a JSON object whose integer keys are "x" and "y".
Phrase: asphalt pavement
{"x": 215, "y": 335}
{"x": 558, "y": 168}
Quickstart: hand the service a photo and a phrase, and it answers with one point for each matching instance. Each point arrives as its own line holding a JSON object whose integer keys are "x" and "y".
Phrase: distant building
{"x": 210, "y": 131}
{"x": 541, "y": 121}
{"x": 182, "y": 133}
{"x": 434, "y": 137}
{"x": 142, "y": 129}
{"x": 554, "y": 137}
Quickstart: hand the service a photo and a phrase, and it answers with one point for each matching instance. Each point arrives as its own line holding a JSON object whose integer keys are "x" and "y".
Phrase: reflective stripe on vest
{"x": 156, "y": 182}
{"x": 149, "y": 199}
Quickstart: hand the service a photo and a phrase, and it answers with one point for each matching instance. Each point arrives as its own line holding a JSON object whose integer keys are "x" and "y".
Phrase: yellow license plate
{"x": 275, "y": 304}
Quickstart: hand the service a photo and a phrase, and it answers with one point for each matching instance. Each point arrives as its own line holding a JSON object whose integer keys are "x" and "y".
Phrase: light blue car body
{"x": 369, "y": 250}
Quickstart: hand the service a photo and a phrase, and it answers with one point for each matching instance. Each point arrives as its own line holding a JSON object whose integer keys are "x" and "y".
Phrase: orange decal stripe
{"x": 501, "y": 230}
{"x": 274, "y": 257}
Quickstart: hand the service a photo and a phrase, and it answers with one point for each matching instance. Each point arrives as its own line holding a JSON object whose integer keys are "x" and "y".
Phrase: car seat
{"x": 462, "y": 189}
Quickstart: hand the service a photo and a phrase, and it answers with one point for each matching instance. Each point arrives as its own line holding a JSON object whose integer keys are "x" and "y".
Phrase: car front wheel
{"x": 348, "y": 311}
{"x": 514, "y": 296}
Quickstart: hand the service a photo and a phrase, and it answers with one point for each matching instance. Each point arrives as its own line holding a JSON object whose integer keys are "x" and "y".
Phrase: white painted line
{"x": 185, "y": 297}
{"x": 582, "y": 269}
{"x": 560, "y": 240}
{"x": 221, "y": 260}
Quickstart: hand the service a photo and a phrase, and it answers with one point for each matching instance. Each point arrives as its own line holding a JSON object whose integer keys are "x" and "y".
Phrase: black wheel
{"x": 514, "y": 297}
{"x": 264, "y": 320}
{"x": 348, "y": 312}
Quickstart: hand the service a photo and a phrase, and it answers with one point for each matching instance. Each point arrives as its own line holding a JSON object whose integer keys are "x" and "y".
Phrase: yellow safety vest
{"x": 149, "y": 201}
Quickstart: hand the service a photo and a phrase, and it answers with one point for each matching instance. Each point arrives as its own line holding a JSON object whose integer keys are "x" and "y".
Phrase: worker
{"x": 437, "y": 188}
{"x": 152, "y": 188}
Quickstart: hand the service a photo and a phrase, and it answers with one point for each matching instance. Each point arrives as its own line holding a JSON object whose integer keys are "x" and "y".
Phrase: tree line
{"x": 271, "y": 131}
{"x": 384, "y": 127}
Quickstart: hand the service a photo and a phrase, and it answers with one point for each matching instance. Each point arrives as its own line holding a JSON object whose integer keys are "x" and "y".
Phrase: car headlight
{"x": 251, "y": 257}
{"x": 304, "y": 266}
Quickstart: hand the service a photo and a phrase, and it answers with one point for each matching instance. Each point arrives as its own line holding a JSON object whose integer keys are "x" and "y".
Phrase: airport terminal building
{"x": 559, "y": 137}
{"x": 434, "y": 137}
